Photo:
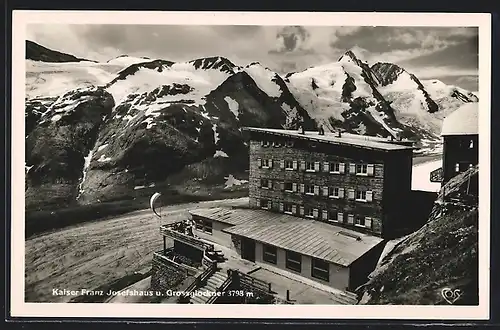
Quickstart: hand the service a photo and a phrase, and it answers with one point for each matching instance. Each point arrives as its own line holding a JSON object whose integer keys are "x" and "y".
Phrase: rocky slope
{"x": 442, "y": 254}
{"x": 37, "y": 52}
{"x": 112, "y": 130}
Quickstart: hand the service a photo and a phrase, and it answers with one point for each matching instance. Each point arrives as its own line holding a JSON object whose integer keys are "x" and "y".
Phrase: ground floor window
{"x": 269, "y": 254}
{"x": 204, "y": 225}
{"x": 294, "y": 261}
{"x": 288, "y": 208}
{"x": 320, "y": 269}
{"x": 265, "y": 204}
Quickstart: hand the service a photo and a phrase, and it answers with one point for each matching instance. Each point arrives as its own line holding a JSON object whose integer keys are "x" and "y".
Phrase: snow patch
{"x": 104, "y": 159}
{"x": 56, "y": 118}
{"x": 233, "y": 106}
{"x": 27, "y": 168}
{"x": 150, "y": 122}
{"x": 86, "y": 165}
{"x": 102, "y": 147}
{"x": 216, "y": 135}
{"x": 380, "y": 119}
{"x": 220, "y": 153}
{"x": 263, "y": 78}
{"x": 231, "y": 181}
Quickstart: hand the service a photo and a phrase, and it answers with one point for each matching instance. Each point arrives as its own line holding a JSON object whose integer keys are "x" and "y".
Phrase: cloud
{"x": 281, "y": 48}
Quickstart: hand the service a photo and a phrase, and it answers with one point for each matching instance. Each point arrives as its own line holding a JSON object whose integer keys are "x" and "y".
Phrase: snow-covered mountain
{"x": 370, "y": 100}
{"x": 98, "y": 130}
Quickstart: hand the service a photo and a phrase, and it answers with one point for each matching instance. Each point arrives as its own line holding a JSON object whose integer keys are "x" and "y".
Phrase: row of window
{"x": 333, "y": 216}
{"x": 315, "y": 166}
{"x": 319, "y": 269}
{"x": 362, "y": 195}
{"x": 203, "y": 225}
{"x": 276, "y": 144}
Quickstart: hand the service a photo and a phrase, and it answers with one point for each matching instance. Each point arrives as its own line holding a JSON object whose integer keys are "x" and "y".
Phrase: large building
{"x": 460, "y": 134}
{"x": 357, "y": 182}
{"x": 321, "y": 204}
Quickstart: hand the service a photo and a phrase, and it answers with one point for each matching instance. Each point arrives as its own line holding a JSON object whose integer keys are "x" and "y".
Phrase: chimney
{"x": 301, "y": 129}
{"x": 339, "y": 133}
{"x": 321, "y": 130}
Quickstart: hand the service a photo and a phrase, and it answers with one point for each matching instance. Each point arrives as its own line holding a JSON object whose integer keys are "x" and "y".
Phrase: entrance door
{"x": 248, "y": 249}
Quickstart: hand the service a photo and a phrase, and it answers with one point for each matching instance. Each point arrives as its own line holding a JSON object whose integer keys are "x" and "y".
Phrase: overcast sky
{"x": 448, "y": 54}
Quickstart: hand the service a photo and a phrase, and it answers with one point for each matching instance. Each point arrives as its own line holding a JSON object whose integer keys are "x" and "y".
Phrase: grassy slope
{"x": 443, "y": 253}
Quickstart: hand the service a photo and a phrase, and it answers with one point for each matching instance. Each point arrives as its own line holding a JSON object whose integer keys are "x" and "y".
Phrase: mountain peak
{"x": 355, "y": 54}
{"x": 37, "y": 52}
{"x": 215, "y": 62}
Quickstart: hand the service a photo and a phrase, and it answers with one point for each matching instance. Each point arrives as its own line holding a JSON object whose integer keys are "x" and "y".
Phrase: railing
{"x": 255, "y": 283}
{"x": 167, "y": 230}
{"x": 164, "y": 259}
{"x": 199, "y": 280}
{"x": 222, "y": 288}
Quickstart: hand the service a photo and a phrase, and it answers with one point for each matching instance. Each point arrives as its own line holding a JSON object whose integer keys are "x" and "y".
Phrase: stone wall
{"x": 277, "y": 175}
{"x": 166, "y": 274}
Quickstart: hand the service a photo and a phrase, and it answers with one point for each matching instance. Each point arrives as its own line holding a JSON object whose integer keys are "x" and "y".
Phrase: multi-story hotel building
{"x": 321, "y": 204}
{"x": 348, "y": 180}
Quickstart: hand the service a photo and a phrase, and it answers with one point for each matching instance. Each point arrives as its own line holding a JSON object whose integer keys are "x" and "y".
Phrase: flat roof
{"x": 360, "y": 141}
{"x": 308, "y": 237}
{"x": 462, "y": 121}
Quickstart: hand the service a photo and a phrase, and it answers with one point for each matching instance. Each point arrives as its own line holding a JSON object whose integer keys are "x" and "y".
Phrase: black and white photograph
{"x": 251, "y": 159}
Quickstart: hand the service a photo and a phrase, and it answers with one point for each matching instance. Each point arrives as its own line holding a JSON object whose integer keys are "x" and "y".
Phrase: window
{"x": 471, "y": 144}
{"x": 309, "y": 212}
{"x": 333, "y": 192}
{"x": 265, "y": 204}
{"x": 335, "y": 216}
{"x": 199, "y": 224}
{"x": 289, "y": 144}
{"x": 266, "y": 163}
{"x": 203, "y": 225}
{"x": 361, "y": 195}
{"x": 320, "y": 269}
{"x": 364, "y": 222}
{"x": 364, "y": 195}
{"x": 269, "y": 254}
{"x": 309, "y": 189}
{"x": 457, "y": 167}
{"x": 265, "y": 143}
{"x": 288, "y": 164}
{"x": 309, "y": 166}
{"x": 276, "y": 144}
{"x": 289, "y": 186}
{"x": 350, "y": 219}
{"x": 288, "y": 208}
{"x": 361, "y": 169}
{"x": 360, "y": 221}
{"x": 334, "y": 167}
{"x": 265, "y": 183}
{"x": 293, "y": 261}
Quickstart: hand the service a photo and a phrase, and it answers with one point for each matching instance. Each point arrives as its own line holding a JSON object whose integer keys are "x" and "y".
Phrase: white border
{"x": 21, "y": 309}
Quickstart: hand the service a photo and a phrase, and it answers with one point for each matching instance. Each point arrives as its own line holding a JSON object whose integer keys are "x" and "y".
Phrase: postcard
{"x": 306, "y": 165}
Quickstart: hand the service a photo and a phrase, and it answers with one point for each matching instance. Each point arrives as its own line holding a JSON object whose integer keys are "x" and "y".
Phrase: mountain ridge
{"x": 161, "y": 116}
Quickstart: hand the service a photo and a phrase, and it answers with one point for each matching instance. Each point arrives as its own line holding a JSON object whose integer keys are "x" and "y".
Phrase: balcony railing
{"x": 169, "y": 230}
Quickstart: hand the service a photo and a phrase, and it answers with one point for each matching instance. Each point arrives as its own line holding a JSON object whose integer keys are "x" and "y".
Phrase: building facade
{"x": 358, "y": 182}
{"x": 460, "y": 141}
{"x": 331, "y": 255}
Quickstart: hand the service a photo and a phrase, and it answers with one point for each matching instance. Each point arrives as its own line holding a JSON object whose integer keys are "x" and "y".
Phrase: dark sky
{"x": 446, "y": 53}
